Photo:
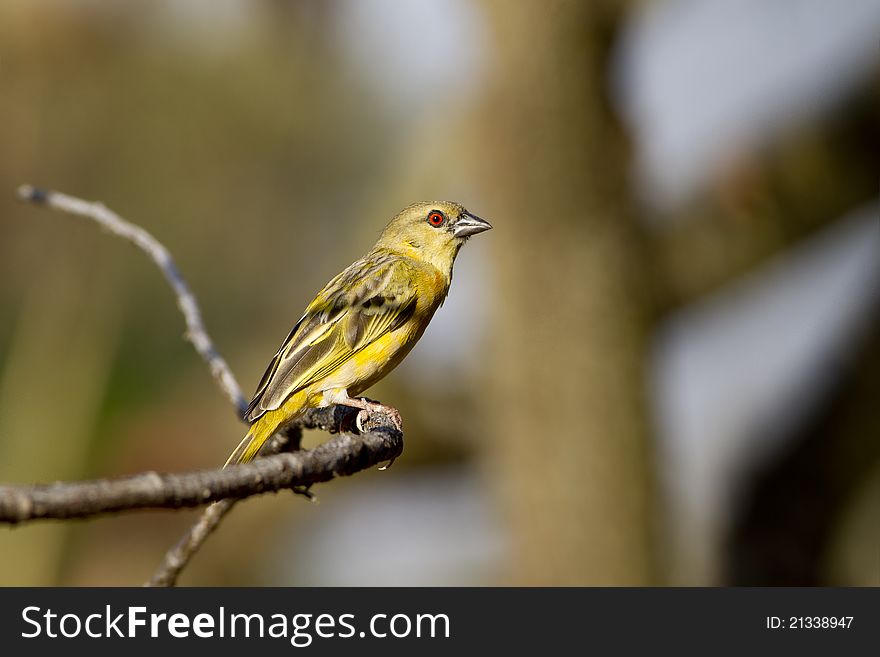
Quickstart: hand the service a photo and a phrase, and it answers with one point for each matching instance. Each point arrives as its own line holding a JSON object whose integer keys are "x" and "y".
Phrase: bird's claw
{"x": 362, "y": 416}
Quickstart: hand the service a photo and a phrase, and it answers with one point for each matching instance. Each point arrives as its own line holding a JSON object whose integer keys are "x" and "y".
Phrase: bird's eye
{"x": 436, "y": 218}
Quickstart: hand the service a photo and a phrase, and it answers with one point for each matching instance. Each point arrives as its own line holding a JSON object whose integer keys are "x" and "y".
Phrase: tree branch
{"x": 342, "y": 455}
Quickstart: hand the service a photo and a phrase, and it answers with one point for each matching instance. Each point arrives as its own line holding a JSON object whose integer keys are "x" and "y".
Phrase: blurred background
{"x": 661, "y": 367}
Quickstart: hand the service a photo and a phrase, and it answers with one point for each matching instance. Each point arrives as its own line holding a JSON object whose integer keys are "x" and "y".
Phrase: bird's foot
{"x": 370, "y": 407}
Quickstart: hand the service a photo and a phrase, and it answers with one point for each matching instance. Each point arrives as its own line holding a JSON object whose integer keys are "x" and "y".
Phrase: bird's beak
{"x": 468, "y": 224}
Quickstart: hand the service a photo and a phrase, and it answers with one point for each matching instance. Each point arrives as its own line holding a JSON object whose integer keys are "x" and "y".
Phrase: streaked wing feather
{"x": 368, "y": 299}
{"x": 270, "y": 372}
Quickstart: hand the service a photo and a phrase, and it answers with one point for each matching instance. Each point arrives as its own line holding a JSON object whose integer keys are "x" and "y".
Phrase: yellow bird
{"x": 363, "y": 323}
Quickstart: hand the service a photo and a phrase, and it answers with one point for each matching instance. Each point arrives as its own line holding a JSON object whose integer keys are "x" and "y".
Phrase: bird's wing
{"x": 373, "y": 296}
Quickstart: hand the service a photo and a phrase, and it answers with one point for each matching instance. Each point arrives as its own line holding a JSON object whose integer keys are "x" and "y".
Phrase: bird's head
{"x": 432, "y": 231}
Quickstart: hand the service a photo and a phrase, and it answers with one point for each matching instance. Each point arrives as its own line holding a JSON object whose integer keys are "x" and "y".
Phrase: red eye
{"x": 436, "y": 218}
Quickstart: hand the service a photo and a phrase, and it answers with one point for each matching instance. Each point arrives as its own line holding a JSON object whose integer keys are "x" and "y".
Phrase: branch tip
{"x": 33, "y": 194}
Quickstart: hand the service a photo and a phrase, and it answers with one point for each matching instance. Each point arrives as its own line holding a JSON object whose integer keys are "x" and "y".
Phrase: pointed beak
{"x": 468, "y": 224}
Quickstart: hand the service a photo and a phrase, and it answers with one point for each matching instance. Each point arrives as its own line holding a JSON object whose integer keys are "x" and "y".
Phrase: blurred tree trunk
{"x": 569, "y": 447}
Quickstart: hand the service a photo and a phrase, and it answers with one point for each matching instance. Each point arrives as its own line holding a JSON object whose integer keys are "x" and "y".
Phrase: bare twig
{"x": 186, "y": 301}
{"x": 342, "y": 455}
{"x": 179, "y": 555}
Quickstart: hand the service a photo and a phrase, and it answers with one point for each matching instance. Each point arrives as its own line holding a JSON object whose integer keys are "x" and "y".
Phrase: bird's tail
{"x": 265, "y": 427}
{"x": 250, "y": 445}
